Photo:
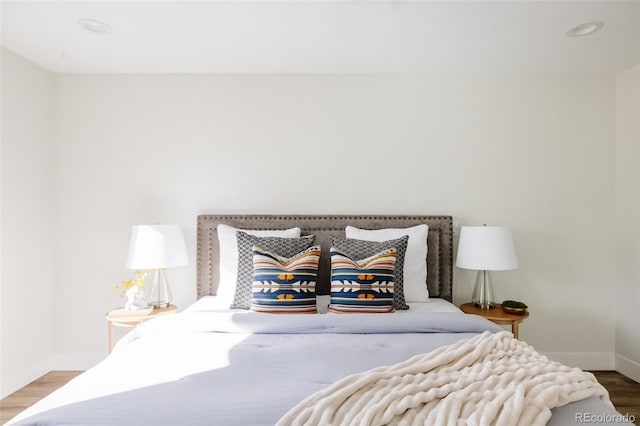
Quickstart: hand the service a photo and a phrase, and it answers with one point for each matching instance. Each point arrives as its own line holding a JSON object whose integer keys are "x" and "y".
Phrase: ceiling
{"x": 344, "y": 36}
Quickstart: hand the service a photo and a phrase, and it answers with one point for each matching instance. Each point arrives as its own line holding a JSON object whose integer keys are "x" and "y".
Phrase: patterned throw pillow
{"x": 360, "y": 249}
{"x": 415, "y": 264}
{"x": 285, "y": 285}
{"x": 362, "y": 285}
{"x": 285, "y": 247}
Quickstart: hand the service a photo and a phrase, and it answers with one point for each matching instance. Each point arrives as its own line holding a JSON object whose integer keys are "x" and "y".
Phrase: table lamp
{"x": 157, "y": 247}
{"x": 485, "y": 248}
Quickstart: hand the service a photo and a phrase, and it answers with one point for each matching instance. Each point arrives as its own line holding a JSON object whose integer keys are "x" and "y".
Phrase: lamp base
{"x": 160, "y": 293}
{"x": 483, "y": 291}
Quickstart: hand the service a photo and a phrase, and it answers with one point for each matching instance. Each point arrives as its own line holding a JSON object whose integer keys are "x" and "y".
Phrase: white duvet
{"x": 230, "y": 368}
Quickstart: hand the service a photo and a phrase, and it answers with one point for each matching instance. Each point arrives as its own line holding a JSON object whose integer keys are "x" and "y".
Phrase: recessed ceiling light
{"x": 585, "y": 29}
{"x": 94, "y": 26}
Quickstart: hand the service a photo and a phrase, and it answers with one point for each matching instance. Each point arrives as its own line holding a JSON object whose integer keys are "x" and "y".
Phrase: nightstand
{"x": 116, "y": 318}
{"x": 496, "y": 315}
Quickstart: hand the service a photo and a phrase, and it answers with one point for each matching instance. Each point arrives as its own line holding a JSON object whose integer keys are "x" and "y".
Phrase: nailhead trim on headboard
{"x": 439, "y": 258}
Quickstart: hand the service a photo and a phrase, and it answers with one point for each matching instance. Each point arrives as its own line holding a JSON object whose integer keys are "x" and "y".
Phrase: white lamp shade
{"x": 486, "y": 248}
{"x": 156, "y": 247}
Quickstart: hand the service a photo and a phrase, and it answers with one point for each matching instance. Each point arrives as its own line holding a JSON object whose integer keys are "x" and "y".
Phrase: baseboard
{"x": 629, "y": 368}
{"x": 14, "y": 380}
{"x": 584, "y": 360}
{"x": 76, "y": 361}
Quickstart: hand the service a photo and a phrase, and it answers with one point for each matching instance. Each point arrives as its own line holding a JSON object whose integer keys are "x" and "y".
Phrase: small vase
{"x": 135, "y": 299}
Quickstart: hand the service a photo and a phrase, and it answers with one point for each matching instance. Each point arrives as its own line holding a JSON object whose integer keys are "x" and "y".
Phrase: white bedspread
{"x": 213, "y": 304}
{"x": 229, "y": 368}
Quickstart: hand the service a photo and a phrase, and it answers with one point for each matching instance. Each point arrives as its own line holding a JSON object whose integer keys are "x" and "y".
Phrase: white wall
{"x": 627, "y": 203}
{"x": 533, "y": 152}
{"x": 26, "y": 283}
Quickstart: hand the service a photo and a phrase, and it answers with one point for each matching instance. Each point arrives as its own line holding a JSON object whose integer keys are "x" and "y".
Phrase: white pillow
{"x": 209, "y": 304}
{"x": 415, "y": 261}
{"x": 229, "y": 257}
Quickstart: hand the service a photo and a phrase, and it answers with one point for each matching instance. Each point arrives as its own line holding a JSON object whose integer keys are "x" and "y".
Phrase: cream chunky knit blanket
{"x": 486, "y": 380}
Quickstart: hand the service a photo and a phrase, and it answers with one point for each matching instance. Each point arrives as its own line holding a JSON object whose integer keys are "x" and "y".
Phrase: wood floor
{"x": 33, "y": 392}
{"x": 624, "y": 393}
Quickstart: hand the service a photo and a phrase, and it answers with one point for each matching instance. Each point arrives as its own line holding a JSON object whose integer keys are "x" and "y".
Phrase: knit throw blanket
{"x": 491, "y": 379}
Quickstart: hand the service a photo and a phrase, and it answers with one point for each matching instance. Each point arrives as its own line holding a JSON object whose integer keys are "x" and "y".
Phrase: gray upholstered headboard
{"x": 439, "y": 256}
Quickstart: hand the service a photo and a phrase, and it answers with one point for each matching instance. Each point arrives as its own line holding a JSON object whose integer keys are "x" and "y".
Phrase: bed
{"x": 212, "y": 365}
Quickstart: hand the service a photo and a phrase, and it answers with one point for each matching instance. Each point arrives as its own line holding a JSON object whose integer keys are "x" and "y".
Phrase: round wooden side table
{"x": 496, "y": 315}
{"x": 118, "y": 318}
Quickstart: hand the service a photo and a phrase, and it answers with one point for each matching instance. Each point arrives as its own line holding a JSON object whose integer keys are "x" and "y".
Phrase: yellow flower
{"x": 138, "y": 281}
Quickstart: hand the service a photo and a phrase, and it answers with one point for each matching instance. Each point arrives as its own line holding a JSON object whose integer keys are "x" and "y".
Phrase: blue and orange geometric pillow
{"x": 286, "y": 247}
{"x": 360, "y": 249}
{"x": 365, "y": 285}
{"x": 285, "y": 285}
